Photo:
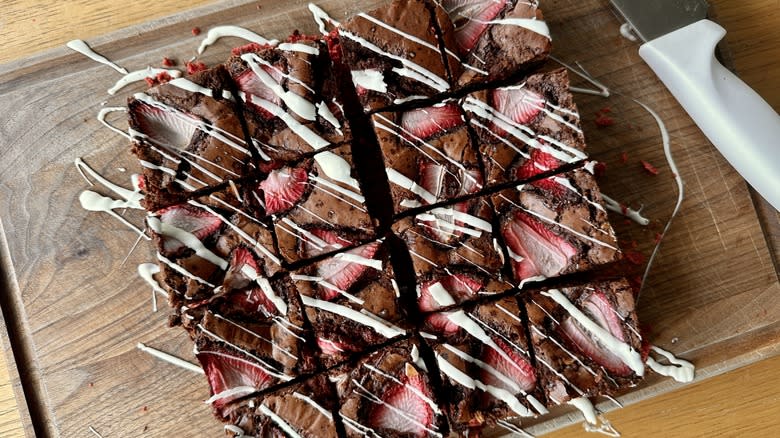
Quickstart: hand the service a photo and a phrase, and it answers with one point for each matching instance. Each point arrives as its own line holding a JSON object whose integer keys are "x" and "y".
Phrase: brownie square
{"x": 495, "y": 39}
{"x": 306, "y": 408}
{"x": 483, "y": 355}
{"x": 458, "y": 237}
{"x": 428, "y": 153}
{"x": 200, "y": 242}
{"x": 352, "y": 302}
{"x": 586, "y": 339}
{"x": 317, "y": 206}
{"x": 291, "y": 103}
{"x": 188, "y": 137}
{"x": 394, "y": 55}
{"x": 263, "y": 320}
{"x": 526, "y": 129}
{"x": 389, "y": 394}
{"x": 555, "y": 226}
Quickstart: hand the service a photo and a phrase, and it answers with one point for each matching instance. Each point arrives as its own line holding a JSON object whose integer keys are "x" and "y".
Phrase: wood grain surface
{"x": 739, "y": 403}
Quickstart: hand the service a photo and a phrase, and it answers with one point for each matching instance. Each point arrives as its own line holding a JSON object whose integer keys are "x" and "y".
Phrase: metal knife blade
{"x": 654, "y": 18}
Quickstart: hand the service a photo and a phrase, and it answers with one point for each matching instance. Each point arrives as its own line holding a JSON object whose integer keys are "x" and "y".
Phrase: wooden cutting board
{"x": 75, "y": 312}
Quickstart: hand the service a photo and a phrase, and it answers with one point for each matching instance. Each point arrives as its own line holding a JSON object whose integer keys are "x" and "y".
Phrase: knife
{"x": 679, "y": 46}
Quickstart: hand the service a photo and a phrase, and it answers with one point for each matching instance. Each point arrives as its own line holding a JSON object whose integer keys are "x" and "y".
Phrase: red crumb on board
{"x": 634, "y": 257}
{"x": 195, "y": 31}
{"x": 194, "y": 67}
{"x": 624, "y": 157}
{"x": 168, "y": 62}
{"x": 649, "y": 168}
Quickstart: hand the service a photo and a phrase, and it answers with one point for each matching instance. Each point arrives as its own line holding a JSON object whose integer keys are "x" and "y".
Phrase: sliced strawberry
{"x": 342, "y": 273}
{"x": 284, "y": 188}
{"x": 225, "y": 371}
{"x": 461, "y": 287}
{"x": 242, "y": 269}
{"x": 441, "y": 324}
{"x": 332, "y": 242}
{"x": 534, "y": 249}
{"x": 598, "y": 308}
{"x": 433, "y": 178}
{"x": 332, "y": 348}
{"x": 470, "y": 181}
{"x": 427, "y": 122}
{"x": 190, "y": 219}
{"x": 403, "y": 409}
{"x": 252, "y": 86}
{"x": 470, "y": 18}
{"x": 520, "y": 104}
{"x": 166, "y": 128}
{"x": 519, "y": 370}
{"x": 252, "y": 301}
{"x": 540, "y": 162}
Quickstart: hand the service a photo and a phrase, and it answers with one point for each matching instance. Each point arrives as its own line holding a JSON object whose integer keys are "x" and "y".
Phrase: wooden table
{"x": 743, "y": 402}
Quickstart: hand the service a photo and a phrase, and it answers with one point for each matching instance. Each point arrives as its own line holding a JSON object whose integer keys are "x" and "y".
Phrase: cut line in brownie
{"x": 526, "y": 129}
{"x": 352, "y": 302}
{"x": 304, "y": 409}
{"x": 586, "y": 339}
{"x": 394, "y": 54}
{"x": 188, "y": 137}
{"x": 317, "y": 206}
{"x": 495, "y": 39}
{"x": 554, "y": 226}
{"x": 389, "y": 394}
{"x": 428, "y": 155}
{"x": 486, "y": 369}
{"x": 290, "y": 97}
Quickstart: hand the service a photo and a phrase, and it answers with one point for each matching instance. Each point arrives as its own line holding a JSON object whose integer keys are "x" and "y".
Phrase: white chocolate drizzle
{"x": 594, "y": 421}
{"x": 325, "y": 112}
{"x": 314, "y": 140}
{"x": 370, "y": 79}
{"x": 680, "y": 370}
{"x": 532, "y": 24}
{"x": 336, "y": 168}
{"x": 409, "y": 69}
{"x": 295, "y": 102}
{"x": 83, "y": 48}
{"x": 146, "y": 271}
{"x": 218, "y": 32}
{"x": 298, "y": 47}
{"x": 617, "y": 207}
{"x": 260, "y": 362}
{"x": 379, "y": 325}
{"x": 192, "y": 87}
{"x": 236, "y": 391}
{"x": 314, "y": 404}
{"x": 166, "y": 357}
{"x": 102, "y": 119}
{"x": 279, "y": 421}
{"x": 400, "y": 179}
{"x": 188, "y": 239}
{"x": 625, "y": 352}
{"x": 140, "y": 75}
{"x": 321, "y": 17}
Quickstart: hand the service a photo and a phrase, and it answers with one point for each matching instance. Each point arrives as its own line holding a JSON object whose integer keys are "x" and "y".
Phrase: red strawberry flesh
{"x": 190, "y": 219}
{"x": 518, "y": 103}
{"x": 253, "y": 300}
{"x": 403, "y": 409}
{"x": 598, "y": 308}
{"x": 332, "y": 348}
{"x": 460, "y": 287}
{"x": 326, "y": 241}
{"x": 426, "y": 122}
{"x": 283, "y": 188}
{"x": 225, "y": 371}
{"x": 340, "y": 273}
{"x": 172, "y": 130}
{"x": 540, "y": 162}
{"x": 252, "y": 86}
{"x": 432, "y": 178}
{"x": 519, "y": 370}
{"x": 534, "y": 249}
{"x": 470, "y": 18}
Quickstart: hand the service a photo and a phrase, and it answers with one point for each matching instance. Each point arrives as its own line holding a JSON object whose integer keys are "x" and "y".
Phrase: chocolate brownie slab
{"x": 304, "y": 409}
{"x": 428, "y": 155}
{"x": 526, "y": 129}
{"x": 554, "y": 226}
{"x": 586, "y": 339}
{"x": 389, "y": 394}
{"x": 352, "y": 301}
{"x": 187, "y": 136}
{"x": 495, "y": 39}
{"x": 393, "y": 54}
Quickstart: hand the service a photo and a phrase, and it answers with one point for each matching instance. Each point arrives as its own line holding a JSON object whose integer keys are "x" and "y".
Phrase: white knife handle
{"x": 744, "y": 128}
